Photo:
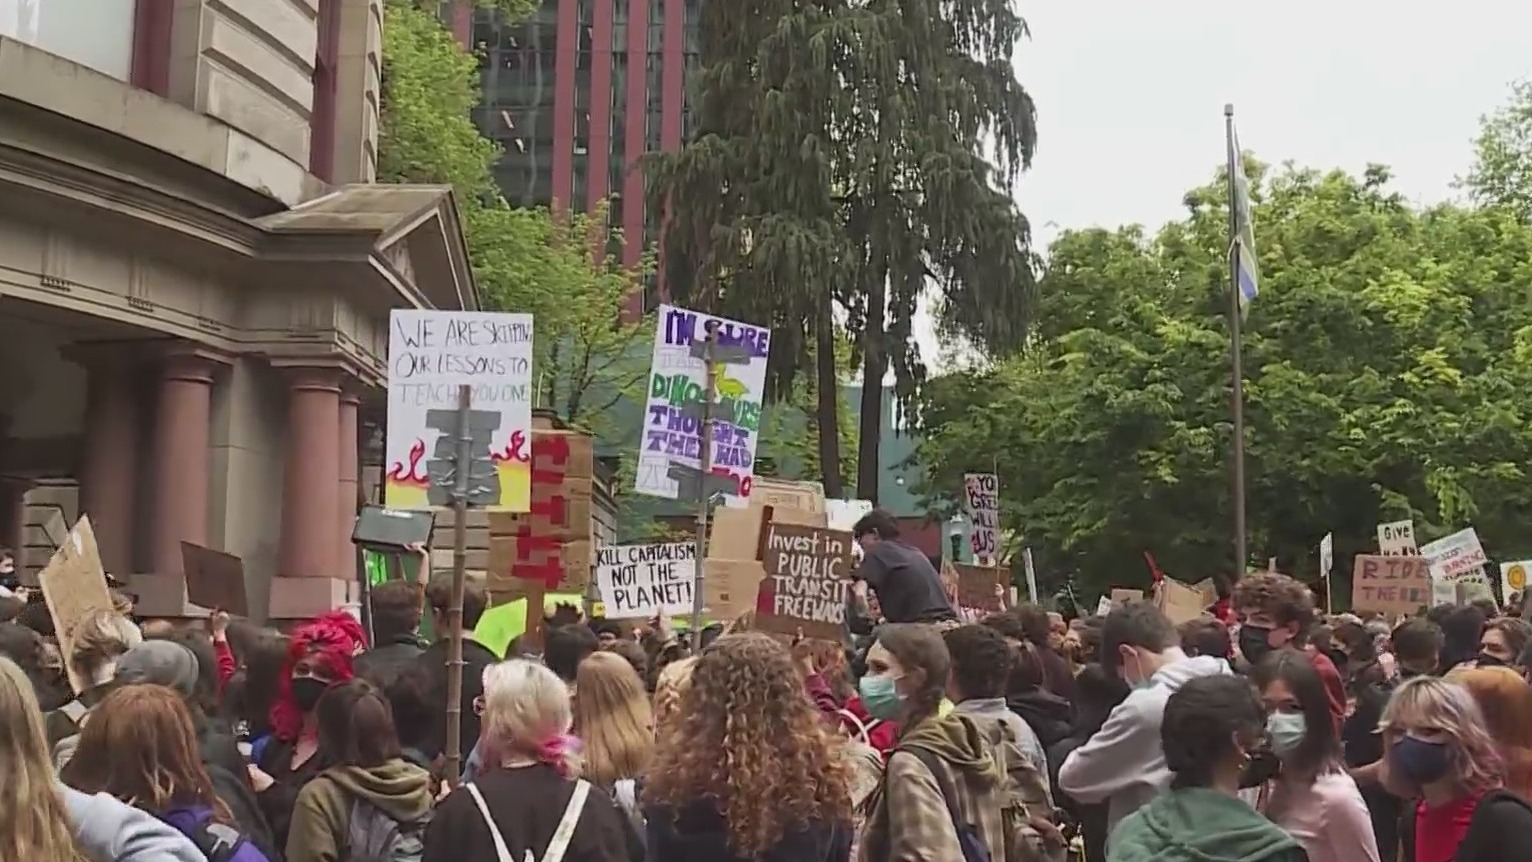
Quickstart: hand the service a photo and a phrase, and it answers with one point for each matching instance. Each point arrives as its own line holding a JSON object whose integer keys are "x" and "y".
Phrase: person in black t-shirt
{"x": 906, "y": 584}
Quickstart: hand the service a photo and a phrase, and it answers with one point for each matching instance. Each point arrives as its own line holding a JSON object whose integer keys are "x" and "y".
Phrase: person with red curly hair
{"x": 319, "y": 656}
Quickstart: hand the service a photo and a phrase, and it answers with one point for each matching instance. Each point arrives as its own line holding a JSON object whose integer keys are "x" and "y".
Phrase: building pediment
{"x": 412, "y": 233}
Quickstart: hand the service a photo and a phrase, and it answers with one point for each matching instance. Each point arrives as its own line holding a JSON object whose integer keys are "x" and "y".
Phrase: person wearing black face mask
{"x": 1502, "y": 641}
{"x": 1277, "y": 611}
{"x": 1440, "y": 752}
{"x": 320, "y": 656}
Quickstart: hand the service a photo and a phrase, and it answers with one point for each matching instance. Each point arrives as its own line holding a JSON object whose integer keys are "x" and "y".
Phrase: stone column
{"x": 311, "y": 481}
{"x": 182, "y": 455}
{"x": 349, "y": 461}
{"x": 109, "y": 465}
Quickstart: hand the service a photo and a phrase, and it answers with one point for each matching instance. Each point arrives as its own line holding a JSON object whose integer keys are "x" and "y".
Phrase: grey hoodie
{"x": 111, "y": 831}
{"x": 1123, "y": 763}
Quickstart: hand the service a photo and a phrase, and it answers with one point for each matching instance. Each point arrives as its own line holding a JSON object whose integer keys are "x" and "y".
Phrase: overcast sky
{"x": 1130, "y": 95}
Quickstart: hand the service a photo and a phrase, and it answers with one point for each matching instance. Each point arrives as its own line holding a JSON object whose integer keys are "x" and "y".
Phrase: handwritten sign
{"x": 981, "y": 497}
{"x": 1513, "y": 577}
{"x": 672, "y": 433}
{"x": 806, "y": 575}
{"x": 1390, "y": 584}
{"x": 431, "y": 354}
{"x": 642, "y": 581}
{"x": 1397, "y": 538}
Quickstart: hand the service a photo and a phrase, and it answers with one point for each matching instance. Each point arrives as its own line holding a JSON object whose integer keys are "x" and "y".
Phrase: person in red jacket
{"x": 1277, "y": 611}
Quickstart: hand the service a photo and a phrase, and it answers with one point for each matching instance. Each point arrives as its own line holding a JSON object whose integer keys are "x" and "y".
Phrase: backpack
{"x": 219, "y": 842}
{"x": 969, "y": 839}
{"x": 373, "y": 836}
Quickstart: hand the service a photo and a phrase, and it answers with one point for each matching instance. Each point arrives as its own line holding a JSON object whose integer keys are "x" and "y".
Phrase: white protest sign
{"x": 642, "y": 581}
{"x": 1104, "y": 606}
{"x": 1397, "y": 539}
{"x": 1326, "y": 555}
{"x": 981, "y": 497}
{"x": 1456, "y": 559}
{"x": 430, "y": 355}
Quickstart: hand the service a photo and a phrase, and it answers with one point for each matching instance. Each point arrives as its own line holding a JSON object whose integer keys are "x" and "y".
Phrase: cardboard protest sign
{"x": 1180, "y": 602}
{"x": 643, "y": 581}
{"x": 976, "y": 589}
{"x": 551, "y": 542}
{"x": 1390, "y": 584}
{"x": 981, "y": 497}
{"x": 808, "y": 570}
{"x": 214, "y": 580}
{"x": 74, "y": 586}
{"x": 1208, "y": 590}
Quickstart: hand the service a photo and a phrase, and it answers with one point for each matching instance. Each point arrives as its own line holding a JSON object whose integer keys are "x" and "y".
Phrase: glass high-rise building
{"x": 576, "y": 93}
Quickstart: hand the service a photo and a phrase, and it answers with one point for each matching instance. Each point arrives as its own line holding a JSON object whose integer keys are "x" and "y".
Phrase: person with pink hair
{"x": 319, "y": 656}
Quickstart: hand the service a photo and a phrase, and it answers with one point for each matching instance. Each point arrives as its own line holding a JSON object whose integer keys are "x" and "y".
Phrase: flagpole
{"x": 1237, "y": 397}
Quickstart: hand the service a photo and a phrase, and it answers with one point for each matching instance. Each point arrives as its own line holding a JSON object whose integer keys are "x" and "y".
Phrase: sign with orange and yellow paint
{"x": 430, "y": 355}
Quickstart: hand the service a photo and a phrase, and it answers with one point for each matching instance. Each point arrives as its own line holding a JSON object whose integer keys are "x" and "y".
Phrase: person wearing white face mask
{"x": 1312, "y": 797}
{"x": 1123, "y": 763}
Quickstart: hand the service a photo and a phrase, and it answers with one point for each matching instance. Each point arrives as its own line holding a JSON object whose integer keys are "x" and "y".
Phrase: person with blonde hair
{"x": 670, "y": 687}
{"x": 96, "y": 644}
{"x": 745, "y": 769}
{"x": 1440, "y": 752}
{"x": 528, "y": 800}
{"x": 45, "y": 821}
{"x": 614, "y": 721}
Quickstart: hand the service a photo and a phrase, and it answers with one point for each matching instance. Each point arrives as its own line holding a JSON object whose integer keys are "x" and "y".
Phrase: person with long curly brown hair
{"x": 140, "y": 747}
{"x": 747, "y": 771}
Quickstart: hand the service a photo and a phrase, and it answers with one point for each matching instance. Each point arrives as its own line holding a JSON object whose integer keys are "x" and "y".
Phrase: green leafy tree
{"x": 587, "y": 360}
{"x": 1384, "y": 364}
{"x": 1502, "y": 170}
{"x": 837, "y": 173}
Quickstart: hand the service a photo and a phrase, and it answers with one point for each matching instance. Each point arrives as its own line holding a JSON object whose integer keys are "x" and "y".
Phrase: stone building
{"x": 196, "y": 271}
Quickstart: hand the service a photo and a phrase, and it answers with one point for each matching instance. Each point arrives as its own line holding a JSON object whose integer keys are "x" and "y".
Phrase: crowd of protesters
{"x": 1263, "y": 731}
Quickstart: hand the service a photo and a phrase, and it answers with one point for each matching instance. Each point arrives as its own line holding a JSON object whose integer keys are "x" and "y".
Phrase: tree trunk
{"x": 827, "y": 393}
{"x": 874, "y": 366}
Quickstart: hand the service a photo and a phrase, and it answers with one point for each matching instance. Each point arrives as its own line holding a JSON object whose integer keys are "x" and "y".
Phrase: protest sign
{"x": 74, "y": 587}
{"x": 1397, "y": 538}
{"x": 1513, "y": 578}
{"x": 981, "y": 497}
{"x": 642, "y": 581}
{"x": 976, "y": 596}
{"x": 551, "y": 542}
{"x": 807, "y": 571}
{"x": 1456, "y": 564}
{"x": 1126, "y": 597}
{"x": 1390, "y": 584}
{"x": 430, "y": 355}
{"x": 1103, "y": 607}
{"x": 672, "y": 433}
{"x": 214, "y": 580}
{"x": 1180, "y": 602}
